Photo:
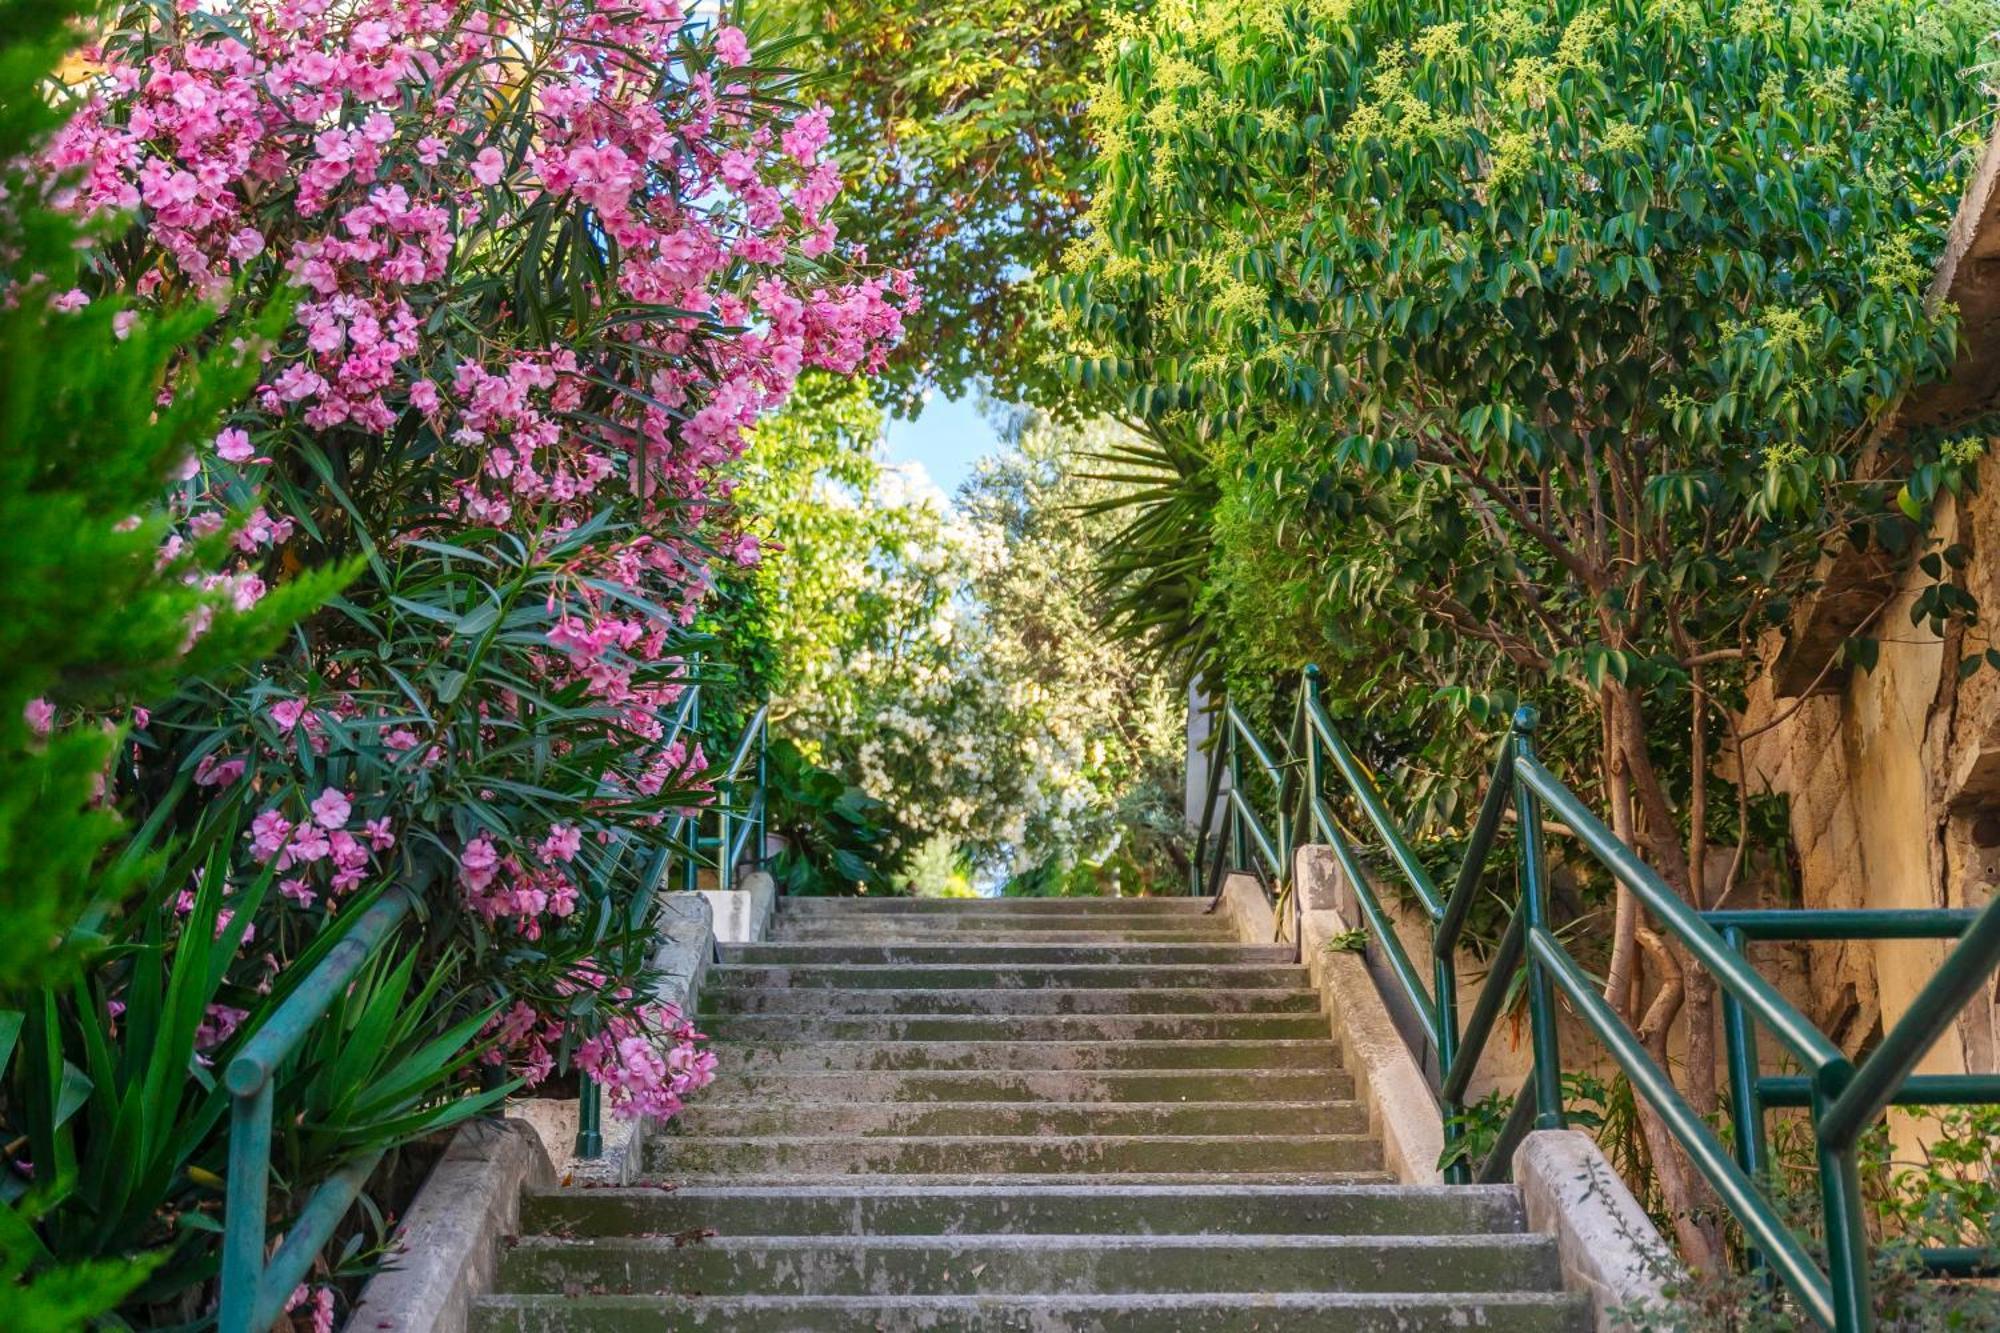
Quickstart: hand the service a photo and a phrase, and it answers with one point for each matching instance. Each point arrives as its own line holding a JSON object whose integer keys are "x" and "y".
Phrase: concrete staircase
{"x": 1025, "y": 1115}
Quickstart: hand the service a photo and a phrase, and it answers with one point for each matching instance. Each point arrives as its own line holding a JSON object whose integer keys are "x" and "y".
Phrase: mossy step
{"x": 973, "y": 907}
{"x": 1029, "y": 1265}
{"x": 1011, "y": 976}
{"x": 772, "y": 1028}
{"x": 869, "y": 932}
{"x": 892, "y": 1119}
{"x": 804, "y": 1183}
{"x": 1192, "y": 1313}
{"x": 1030, "y": 1085}
{"x": 845, "y": 1154}
{"x": 1067, "y": 1209}
{"x": 831, "y": 1056}
{"x": 973, "y": 922}
{"x": 861, "y": 1000}
{"x": 1009, "y": 955}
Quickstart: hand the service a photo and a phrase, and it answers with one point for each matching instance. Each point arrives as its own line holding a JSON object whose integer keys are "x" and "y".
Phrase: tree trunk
{"x": 1691, "y": 1202}
{"x": 1619, "y": 991}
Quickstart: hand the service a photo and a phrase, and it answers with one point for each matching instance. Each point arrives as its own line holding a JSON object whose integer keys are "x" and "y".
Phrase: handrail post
{"x": 1535, "y": 905}
{"x": 760, "y": 827}
{"x": 1445, "y": 983}
{"x": 589, "y": 1118}
{"x": 1239, "y": 847}
{"x": 1846, "y": 1230}
{"x": 246, "y": 1200}
{"x": 1746, "y": 1105}
{"x": 725, "y": 873}
{"x": 1212, "y": 788}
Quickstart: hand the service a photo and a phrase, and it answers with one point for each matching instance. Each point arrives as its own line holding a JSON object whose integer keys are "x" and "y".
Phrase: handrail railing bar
{"x": 308, "y": 1235}
{"x": 1845, "y": 923}
{"x": 1256, "y": 747}
{"x": 1208, "y": 800}
{"x": 1472, "y": 868}
{"x": 1378, "y": 920}
{"x": 1217, "y": 873}
{"x": 745, "y": 746}
{"x": 1936, "y": 1007}
{"x": 1841, "y": 1099}
{"x": 1532, "y": 877}
{"x": 1498, "y": 1165}
{"x": 1492, "y": 998}
{"x": 1960, "y": 1261}
{"x": 1785, "y": 1254}
{"x": 1256, "y": 830}
{"x": 267, "y": 1049}
{"x": 1795, "y": 1090}
{"x": 1370, "y": 801}
{"x": 1732, "y": 972}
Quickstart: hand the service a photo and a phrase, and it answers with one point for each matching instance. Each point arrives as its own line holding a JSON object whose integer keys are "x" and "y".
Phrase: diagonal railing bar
{"x": 1843, "y": 1099}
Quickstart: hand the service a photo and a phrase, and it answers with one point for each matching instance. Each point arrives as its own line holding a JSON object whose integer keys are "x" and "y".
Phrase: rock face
{"x": 1893, "y": 784}
{"x": 1026, "y": 1115}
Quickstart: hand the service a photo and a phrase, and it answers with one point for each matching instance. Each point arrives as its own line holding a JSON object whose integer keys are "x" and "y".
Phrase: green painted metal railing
{"x": 682, "y": 838}
{"x": 254, "y": 1292}
{"x": 255, "y": 1289}
{"x": 1842, "y": 1098}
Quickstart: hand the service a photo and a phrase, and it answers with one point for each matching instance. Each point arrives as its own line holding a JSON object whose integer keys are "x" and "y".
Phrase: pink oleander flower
{"x": 562, "y": 844}
{"x": 731, "y": 46}
{"x": 233, "y": 446}
{"x": 331, "y": 809}
{"x": 40, "y": 715}
{"x": 269, "y": 832}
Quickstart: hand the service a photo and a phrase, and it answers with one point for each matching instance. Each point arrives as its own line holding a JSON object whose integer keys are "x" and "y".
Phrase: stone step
{"x": 834, "y": 1056}
{"x": 804, "y": 1183}
{"x": 861, "y": 1000}
{"x": 979, "y": 907}
{"x": 1315, "y": 1312}
{"x": 774, "y": 1029}
{"x": 1031, "y": 1085}
{"x": 968, "y": 923}
{"x": 869, "y": 933}
{"x": 1030, "y": 1265}
{"x": 1009, "y": 955}
{"x": 844, "y": 1154}
{"x": 1067, "y": 1209}
{"x": 991, "y": 976}
{"x": 927, "y": 1119}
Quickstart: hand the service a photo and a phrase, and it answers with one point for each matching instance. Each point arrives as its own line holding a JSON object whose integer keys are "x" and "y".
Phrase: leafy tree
{"x": 946, "y": 660}
{"x": 1584, "y": 312}
{"x": 1121, "y": 827}
{"x": 966, "y": 156}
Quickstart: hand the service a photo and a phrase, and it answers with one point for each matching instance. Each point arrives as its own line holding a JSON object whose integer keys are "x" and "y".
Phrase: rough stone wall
{"x": 1893, "y": 780}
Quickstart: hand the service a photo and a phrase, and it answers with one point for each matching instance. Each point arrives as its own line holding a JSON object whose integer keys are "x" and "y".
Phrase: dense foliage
{"x": 945, "y": 659}
{"x": 1553, "y": 333}
{"x": 530, "y": 272}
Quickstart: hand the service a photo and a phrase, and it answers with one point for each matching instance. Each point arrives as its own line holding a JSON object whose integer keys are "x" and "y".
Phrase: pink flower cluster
{"x": 648, "y": 1062}
{"x": 320, "y": 840}
{"x": 396, "y": 162}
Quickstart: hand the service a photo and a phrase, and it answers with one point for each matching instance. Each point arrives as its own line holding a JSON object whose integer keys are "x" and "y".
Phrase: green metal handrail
{"x": 683, "y": 837}
{"x": 254, "y": 1291}
{"x": 1842, "y": 1098}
